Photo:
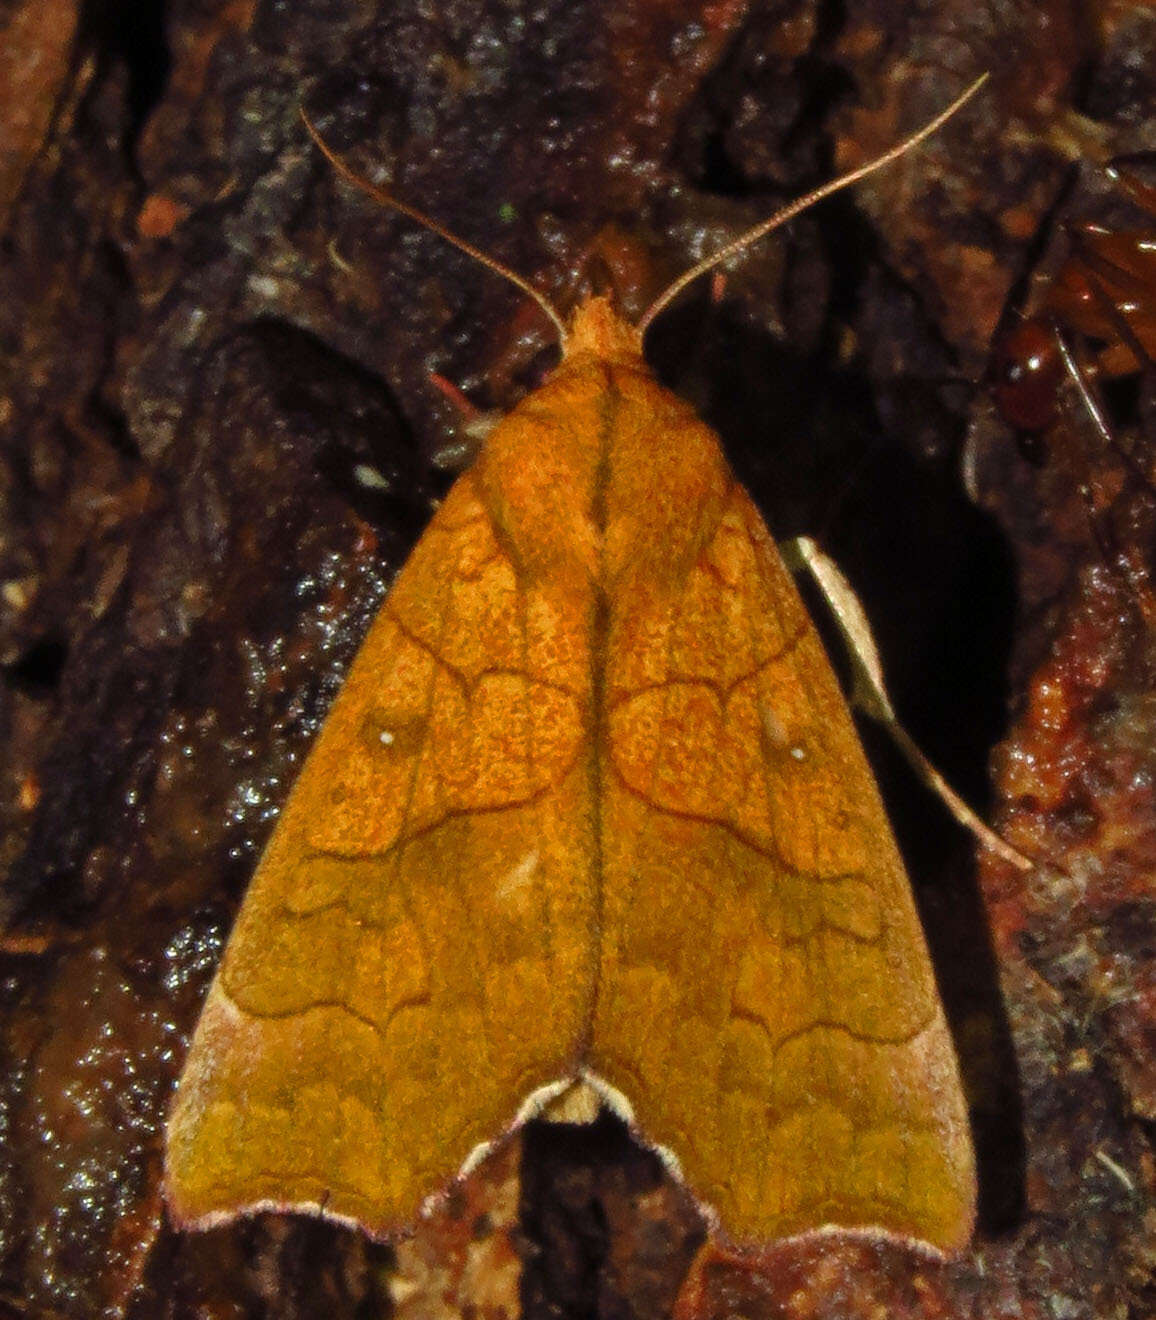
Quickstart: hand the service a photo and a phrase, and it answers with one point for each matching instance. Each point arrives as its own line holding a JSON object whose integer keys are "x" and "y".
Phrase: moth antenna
{"x": 789, "y": 212}
{"x": 420, "y": 218}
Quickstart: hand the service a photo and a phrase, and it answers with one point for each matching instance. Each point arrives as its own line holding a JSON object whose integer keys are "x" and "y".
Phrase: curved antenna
{"x": 789, "y": 212}
{"x": 420, "y": 218}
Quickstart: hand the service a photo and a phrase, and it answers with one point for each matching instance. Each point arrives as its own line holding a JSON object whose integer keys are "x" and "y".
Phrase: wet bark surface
{"x": 220, "y": 440}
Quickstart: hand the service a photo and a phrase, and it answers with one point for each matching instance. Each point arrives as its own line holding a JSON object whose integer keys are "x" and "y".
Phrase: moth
{"x": 589, "y": 810}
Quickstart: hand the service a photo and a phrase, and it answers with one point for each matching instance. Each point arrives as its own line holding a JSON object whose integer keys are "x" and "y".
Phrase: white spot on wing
{"x": 518, "y": 876}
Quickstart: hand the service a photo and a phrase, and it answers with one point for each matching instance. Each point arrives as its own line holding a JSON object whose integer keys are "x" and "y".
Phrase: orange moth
{"x": 590, "y": 807}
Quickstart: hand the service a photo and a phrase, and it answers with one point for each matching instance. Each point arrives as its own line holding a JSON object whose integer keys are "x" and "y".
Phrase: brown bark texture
{"x": 207, "y": 345}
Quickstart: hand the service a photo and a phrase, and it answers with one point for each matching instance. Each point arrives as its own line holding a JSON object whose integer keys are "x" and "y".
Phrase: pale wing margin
{"x": 766, "y": 999}
{"x": 414, "y": 953}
